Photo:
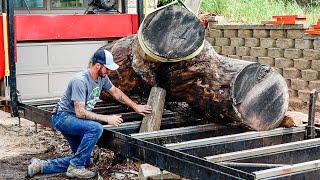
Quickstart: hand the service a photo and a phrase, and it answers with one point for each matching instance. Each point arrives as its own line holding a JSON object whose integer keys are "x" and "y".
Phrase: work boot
{"x": 80, "y": 173}
{"x": 35, "y": 167}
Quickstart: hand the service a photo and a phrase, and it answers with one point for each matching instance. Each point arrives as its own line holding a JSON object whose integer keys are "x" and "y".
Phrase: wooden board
{"x": 152, "y": 121}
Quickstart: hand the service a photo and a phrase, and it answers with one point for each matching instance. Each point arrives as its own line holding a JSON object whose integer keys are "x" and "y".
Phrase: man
{"x": 78, "y": 124}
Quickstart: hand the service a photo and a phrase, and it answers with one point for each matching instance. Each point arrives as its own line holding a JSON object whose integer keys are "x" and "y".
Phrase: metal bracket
{"x": 311, "y": 131}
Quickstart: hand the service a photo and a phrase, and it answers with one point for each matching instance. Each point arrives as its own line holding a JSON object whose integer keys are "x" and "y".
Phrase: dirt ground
{"x": 19, "y": 144}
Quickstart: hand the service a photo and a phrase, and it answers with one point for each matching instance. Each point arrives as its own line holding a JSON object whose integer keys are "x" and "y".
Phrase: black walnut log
{"x": 220, "y": 87}
{"x": 172, "y": 32}
{"x": 152, "y": 121}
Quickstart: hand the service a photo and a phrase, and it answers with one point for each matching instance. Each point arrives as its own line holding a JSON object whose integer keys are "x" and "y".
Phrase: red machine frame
{"x": 70, "y": 27}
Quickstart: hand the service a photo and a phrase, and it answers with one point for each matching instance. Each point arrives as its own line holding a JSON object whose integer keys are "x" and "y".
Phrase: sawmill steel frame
{"x": 174, "y": 147}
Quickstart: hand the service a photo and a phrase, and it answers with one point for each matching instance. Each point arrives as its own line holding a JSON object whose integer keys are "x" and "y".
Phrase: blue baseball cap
{"x": 105, "y": 58}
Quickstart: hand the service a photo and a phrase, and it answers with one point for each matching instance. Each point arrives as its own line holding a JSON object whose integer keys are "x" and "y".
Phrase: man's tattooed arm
{"x": 121, "y": 97}
{"x": 81, "y": 112}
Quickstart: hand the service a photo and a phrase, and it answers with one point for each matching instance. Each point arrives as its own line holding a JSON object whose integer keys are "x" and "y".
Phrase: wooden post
{"x": 152, "y": 121}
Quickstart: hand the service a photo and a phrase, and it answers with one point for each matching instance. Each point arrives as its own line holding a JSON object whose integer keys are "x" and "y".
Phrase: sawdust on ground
{"x": 19, "y": 144}
{"x": 17, "y": 140}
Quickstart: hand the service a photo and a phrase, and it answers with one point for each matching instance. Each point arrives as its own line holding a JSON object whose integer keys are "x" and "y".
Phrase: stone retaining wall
{"x": 285, "y": 47}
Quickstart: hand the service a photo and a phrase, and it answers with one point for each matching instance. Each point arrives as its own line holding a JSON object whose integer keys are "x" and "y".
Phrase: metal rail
{"x": 273, "y": 153}
{"x": 239, "y": 142}
{"x": 198, "y": 149}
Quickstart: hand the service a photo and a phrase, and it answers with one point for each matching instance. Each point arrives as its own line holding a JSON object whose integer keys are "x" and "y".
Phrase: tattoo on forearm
{"x": 123, "y": 98}
{"x": 120, "y": 99}
{"x": 81, "y": 112}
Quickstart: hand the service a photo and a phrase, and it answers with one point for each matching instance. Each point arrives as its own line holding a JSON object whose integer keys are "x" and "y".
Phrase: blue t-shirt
{"x": 83, "y": 87}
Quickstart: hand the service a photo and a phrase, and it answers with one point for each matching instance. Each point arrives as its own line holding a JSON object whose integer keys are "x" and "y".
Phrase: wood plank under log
{"x": 221, "y": 87}
{"x": 152, "y": 121}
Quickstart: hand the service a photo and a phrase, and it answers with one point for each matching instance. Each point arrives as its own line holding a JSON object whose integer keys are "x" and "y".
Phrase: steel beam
{"x": 35, "y": 114}
{"x": 12, "y": 59}
{"x": 166, "y": 123}
{"x": 238, "y": 142}
{"x": 135, "y": 116}
{"x": 124, "y": 7}
{"x": 251, "y": 167}
{"x": 188, "y": 133}
{"x": 140, "y": 8}
{"x": 289, "y": 153}
{"x": 307, "y": 170}
{"x": 41, "y": 102}
{"x": 111, "y": 109}
{"x": 176, "y": 131}
{"x": 176, "y": 162}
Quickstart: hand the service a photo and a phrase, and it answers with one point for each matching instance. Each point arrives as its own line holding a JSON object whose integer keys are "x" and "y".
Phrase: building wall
{"x": 295, "y": 55}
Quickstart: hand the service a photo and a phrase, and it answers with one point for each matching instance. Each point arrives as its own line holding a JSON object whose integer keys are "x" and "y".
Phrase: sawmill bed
{"x": 200, "y": 149}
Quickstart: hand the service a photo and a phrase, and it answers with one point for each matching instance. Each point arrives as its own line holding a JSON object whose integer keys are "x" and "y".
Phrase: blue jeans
{"x": 82, "y": 135}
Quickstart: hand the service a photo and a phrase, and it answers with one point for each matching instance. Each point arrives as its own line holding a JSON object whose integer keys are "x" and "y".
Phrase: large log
{"x": 225, "y": 88}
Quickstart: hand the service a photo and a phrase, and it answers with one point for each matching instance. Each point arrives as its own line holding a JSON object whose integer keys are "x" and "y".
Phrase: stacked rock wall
{"x": 285, "y": 47}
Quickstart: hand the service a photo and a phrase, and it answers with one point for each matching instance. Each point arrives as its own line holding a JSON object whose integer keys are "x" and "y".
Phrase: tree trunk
{"x": 221, "y": 87}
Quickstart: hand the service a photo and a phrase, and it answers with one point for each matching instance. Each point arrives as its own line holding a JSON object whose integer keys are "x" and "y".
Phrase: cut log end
{"x": 260, "y": 97}
{"x": 172, "y": 32}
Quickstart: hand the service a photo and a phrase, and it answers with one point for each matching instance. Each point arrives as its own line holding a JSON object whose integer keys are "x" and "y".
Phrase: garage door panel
{"x": 33, "y": 85}
{"x": 45, "y": 68}
{"x": 71, "y": 55}
{"x": 59, "y": 81}
{"x": 32, "y": 57}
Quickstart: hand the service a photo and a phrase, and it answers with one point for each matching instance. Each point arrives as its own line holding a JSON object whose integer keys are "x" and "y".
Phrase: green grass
{"x": 255, "y": 11}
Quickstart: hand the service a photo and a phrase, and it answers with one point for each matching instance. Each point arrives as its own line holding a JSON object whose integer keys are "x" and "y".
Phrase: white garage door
{"x": 44, "y": 69}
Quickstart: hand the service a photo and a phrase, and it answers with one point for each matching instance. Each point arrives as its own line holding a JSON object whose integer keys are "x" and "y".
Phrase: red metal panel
{"x": 135, "y": 24}
{"x": 63, "y": 27}
{"x": 70, "y": 27}
{"x": 1, "y": 50}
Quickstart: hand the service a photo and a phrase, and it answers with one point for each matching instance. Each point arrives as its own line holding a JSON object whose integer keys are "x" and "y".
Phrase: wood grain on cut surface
{"x": 172, "y": 32}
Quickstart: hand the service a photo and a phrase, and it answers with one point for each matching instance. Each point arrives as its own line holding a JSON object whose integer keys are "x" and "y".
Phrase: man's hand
{"x": 142, "y": 109}
{"x": 121, "y": 97}
{"x": 115, "y": 120}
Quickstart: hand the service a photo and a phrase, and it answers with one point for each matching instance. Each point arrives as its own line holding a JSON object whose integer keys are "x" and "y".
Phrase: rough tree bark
{"x": 222, "y": 87}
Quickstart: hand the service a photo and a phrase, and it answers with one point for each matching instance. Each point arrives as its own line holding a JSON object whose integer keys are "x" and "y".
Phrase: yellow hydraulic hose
{"x": 5, "y": 45}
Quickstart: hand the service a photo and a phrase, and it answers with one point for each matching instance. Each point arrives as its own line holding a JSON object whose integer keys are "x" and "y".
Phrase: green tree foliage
{"x": 255, "y": 11}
